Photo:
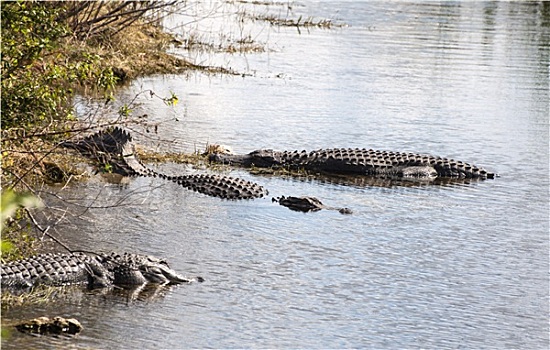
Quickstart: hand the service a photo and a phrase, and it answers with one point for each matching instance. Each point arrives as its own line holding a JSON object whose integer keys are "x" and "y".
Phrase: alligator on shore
{"x": 114, "y": 147}
{"x": 94, "y": 270}
{"x": 398, "y": 165}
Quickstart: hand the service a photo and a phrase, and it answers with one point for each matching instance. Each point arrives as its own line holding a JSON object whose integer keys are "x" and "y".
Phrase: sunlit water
{"x": 457, "y": 266}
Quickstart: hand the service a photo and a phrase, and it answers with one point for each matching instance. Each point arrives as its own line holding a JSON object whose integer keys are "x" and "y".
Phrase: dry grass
{"x": 300, "y": 22}
{"x": 30, "y": 163}
{"x": 179, "y": 158}
{"x": 138, "y": 50}
{"x": 39, "y": 295}
{"x": 245, "y": 44}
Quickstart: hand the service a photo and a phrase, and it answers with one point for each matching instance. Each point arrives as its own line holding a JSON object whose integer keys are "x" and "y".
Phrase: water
{"x": 456, "y": 266}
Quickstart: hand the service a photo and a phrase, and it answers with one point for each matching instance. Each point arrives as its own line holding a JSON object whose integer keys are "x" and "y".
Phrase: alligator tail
{"x": 213, "y": 185}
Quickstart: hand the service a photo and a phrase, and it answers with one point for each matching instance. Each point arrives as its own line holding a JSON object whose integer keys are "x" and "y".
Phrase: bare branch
{"x": 45, "y": 231}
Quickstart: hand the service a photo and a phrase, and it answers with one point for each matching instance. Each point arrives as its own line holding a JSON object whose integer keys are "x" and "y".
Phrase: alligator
{"x": 358, "y": 161}
{"x": 306, "y": 204}
{"x": 386, "y": 164}
{"x": 114, "y": 147}
{"x": 93, "y": 270}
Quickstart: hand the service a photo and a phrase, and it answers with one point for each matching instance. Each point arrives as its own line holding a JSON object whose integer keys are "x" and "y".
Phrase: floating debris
{"x": 50, "y": 326}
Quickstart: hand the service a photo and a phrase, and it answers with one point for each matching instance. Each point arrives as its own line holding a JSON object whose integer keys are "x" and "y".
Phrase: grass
{"x": 137, "y": 51}
{"x": 299, "y": 22}
{"x": 36, "y": 161}
{"x": 178, "y": 158}
{"x": 39, "y": 295}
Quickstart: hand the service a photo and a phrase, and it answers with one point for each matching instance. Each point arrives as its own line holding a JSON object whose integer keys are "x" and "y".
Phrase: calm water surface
{"x": 456, "y": 266}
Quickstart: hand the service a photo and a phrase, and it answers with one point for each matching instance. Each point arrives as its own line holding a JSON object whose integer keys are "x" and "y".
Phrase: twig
{"x": 45, "y": 231}
{"x": 52, "y": 133}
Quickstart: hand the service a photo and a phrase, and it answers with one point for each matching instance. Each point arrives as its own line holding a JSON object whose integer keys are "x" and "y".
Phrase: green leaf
{"x": 11, "y": 201}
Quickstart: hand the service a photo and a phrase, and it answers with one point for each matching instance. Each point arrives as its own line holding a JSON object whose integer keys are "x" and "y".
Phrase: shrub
{"x": 38, "y": 75}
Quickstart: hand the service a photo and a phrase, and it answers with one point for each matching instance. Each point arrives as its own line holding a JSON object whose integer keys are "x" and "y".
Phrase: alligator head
{"x": 135, "y": 269}
{"x": 155, "y": 270}
{"x": 306, "y": 204}
{"x": 262, "y": 158}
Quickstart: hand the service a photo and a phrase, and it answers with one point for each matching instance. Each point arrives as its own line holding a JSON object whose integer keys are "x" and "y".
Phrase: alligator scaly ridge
{"x": 385, "y": 164}
{"x": 115, "y": 147}
{"x": 93, "y": 270}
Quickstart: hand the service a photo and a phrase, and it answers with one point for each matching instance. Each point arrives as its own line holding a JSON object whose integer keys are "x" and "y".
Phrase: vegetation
{"x": 50, "y": 52}
{"x": 37, "y": 77}
{"x": 11, "y": 204}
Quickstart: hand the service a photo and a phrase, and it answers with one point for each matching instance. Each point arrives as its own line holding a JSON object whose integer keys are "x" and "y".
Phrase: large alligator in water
{"x": 397, "y": 165}
{"x": 114, "y": 147}
{"x": 94, "y": 270}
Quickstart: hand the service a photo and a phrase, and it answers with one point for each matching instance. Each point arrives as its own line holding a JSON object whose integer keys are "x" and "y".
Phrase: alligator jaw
{"x": 173, "y": 277}
{"x": 158, "y": 271}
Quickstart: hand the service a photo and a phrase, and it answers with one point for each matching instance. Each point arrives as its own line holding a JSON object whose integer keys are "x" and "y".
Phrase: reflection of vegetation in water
{"x": 39, "y": 295}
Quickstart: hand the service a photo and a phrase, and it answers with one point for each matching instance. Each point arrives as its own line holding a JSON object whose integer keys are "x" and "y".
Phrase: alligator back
{"x": 50, "y": 269}
{"x": 225, "y": 187}
{"x": 109, "y": 141}
{"x": 105, "y": 146}
{"x": 359, "y": 161}
{"x": 95, "y": 270}
{"x": 375, "y": 162}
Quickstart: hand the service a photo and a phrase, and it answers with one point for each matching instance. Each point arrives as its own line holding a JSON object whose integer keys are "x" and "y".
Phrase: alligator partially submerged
{"x": 306, "y": 204}
{"x": 398, "y": 165}
{"x": 114, "y": 147}
{"x": 93, "y": 270}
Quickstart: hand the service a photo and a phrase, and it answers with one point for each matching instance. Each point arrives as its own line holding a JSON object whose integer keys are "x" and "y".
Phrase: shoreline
{"x": 31, "y": 155}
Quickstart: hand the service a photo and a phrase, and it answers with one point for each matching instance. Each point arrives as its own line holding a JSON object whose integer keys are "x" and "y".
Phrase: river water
{"x": 464, "y": 265}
